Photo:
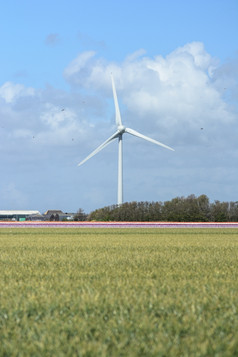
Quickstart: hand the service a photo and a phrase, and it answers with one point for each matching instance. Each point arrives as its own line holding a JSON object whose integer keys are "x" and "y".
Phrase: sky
{"x": 175, "y": 67}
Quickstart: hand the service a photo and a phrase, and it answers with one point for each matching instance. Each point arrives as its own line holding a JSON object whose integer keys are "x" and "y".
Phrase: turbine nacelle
{"x": 121, "y": 129}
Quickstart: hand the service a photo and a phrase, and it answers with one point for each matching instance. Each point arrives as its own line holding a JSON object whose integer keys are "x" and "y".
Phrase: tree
{"x": 80, "y": 215}
{"x": 180, "y": 209}
{"x": 233, "y": 211}
{"x": 204, "y": 208}
{"x": 219, "y": 211}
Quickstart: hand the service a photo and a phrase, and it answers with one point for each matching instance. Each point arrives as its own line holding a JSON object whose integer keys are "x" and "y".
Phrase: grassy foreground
{"x": 118, "y": 292}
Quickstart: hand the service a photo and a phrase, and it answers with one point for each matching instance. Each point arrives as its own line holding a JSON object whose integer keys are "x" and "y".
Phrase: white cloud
{"x": 61, "y": 126}
{"x": 174, "y": 95}
{"x": 78, "y": 64}
{"x": 54, "y": 116}
{"x": 198, "y": 55}
{"x": 167, "y": 93}
{"x": 10, "y": 91}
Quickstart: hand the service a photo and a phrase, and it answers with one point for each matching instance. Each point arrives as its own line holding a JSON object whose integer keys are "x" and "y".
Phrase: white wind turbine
{"x": 121, "y": 129}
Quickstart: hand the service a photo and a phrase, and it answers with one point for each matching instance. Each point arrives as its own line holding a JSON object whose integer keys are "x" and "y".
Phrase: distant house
{"x": 36, "y": 217}
{"x": 57, "y": 215}
{"x": 18, "y": 215}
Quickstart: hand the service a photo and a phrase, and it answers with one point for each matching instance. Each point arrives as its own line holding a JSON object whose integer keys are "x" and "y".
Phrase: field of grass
{"x": 118, "y": 292}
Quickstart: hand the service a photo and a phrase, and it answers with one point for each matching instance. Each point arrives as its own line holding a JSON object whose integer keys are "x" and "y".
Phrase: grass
{"x": 118, "y": 292}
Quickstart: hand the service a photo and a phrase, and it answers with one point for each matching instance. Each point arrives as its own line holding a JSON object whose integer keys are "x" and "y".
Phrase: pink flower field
{"x": 39, "y": 224}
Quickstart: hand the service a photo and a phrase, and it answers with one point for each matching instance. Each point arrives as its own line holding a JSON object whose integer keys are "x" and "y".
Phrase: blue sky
{"x": 175, "y": 70}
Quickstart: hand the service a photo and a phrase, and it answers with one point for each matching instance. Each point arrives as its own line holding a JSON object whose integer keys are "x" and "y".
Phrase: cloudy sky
{"x": 175, "y": 66}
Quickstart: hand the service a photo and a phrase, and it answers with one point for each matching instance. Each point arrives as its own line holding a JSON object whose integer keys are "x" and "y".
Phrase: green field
{"x": 118, "y": 292}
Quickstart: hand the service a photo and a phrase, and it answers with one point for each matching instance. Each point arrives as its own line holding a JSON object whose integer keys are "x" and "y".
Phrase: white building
{"x": 18, "y": 215}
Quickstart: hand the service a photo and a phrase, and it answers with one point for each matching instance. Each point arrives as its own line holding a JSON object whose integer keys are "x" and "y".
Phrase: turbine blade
{"x": 118, "y": 115}
{"x": 99, "y": 148}
{"x": 135, "y": 133}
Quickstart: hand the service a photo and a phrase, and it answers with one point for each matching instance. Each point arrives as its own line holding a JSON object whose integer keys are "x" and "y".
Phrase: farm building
{"x": 58, "y": 215}
{"x": 20, "y": 215}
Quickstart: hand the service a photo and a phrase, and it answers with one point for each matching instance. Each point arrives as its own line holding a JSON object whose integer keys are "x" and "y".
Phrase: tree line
{"x": 179, "y": 209}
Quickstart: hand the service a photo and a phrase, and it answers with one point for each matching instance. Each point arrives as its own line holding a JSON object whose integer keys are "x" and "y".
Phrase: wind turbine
{"x": 121, "y": 129}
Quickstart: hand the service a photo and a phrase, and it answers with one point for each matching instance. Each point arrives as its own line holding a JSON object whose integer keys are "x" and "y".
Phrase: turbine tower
{"x": 121, "y": 129}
